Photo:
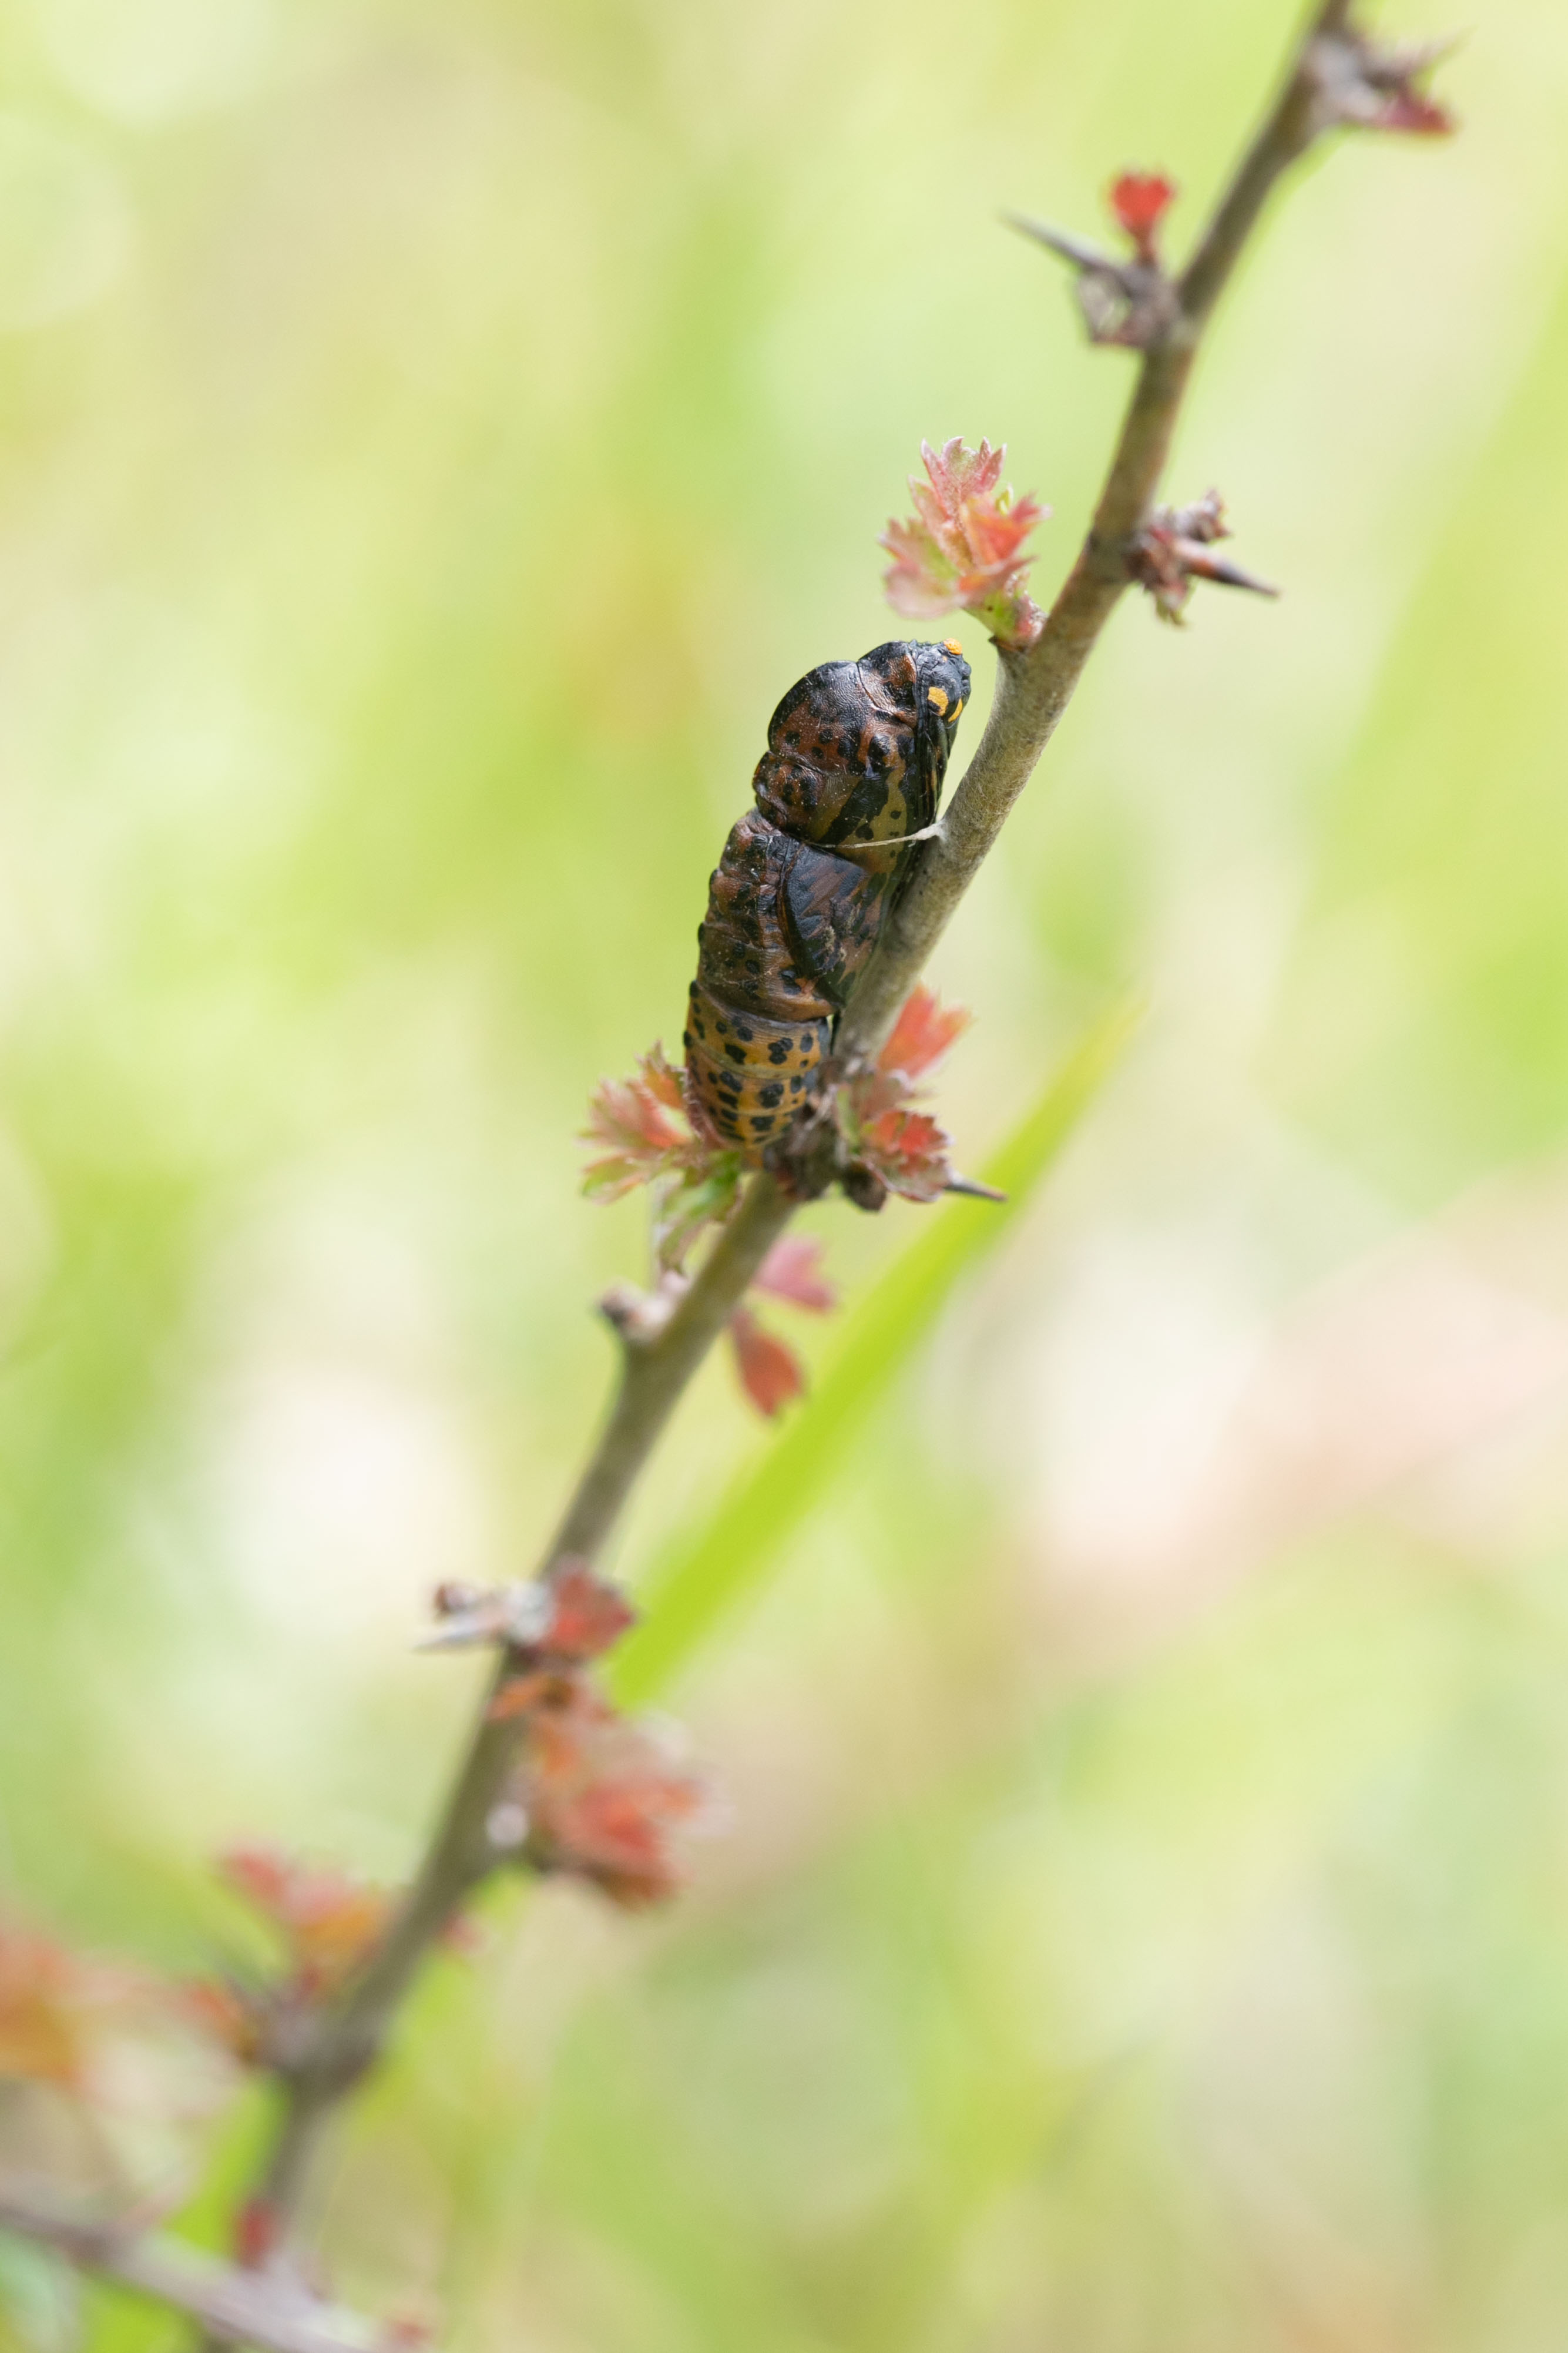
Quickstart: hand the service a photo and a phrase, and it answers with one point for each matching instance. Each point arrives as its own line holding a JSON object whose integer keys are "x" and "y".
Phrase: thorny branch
{"x": 1335, "y": 77}
{"x": 1033, "y": 690}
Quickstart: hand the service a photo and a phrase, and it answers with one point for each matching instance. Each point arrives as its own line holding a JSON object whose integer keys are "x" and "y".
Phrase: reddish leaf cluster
{"x": 1140, "y": 201}
{"x": 898, "y": 1148}
{"x": 106, "y": 2060}
{"x": 594, "y": 1794}
{"x": 1175, "y": 548}
{"x": 52, "y": 2007}
{"x": 1363, "y": 85}
{"x": 643, "y": 1121}
{"x": 601, "y": 1798}
{"x": 964, "y": 545}
{"x": 588, "y": 1616}
{"x": 653, "y": 1137}
{"x": 907, "y": 1150}
{"x": 771, "y": 1373}
{"x": 328, "y": 1922}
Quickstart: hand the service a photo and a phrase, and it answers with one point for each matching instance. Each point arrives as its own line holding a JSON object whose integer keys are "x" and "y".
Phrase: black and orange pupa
{"x": 857, "y": 755}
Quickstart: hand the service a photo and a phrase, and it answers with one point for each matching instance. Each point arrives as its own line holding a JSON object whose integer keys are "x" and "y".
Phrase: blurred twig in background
{"x": 235, "y": 2306}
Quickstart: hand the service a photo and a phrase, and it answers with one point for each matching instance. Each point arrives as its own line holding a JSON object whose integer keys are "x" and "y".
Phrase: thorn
{"x": 975, "y": 1190}
{"x": 1176, "y": 546}
{"x": 458, "y": 1632}
{"x": 1196, "y": 558}
{"x": 1074, "y": 249}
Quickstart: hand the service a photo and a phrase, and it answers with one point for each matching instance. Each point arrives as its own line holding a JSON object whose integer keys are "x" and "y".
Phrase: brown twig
{"x": 234, "y": 2306}
{"x": 1033, "y": 688}
{"x": 339, "y": 2043}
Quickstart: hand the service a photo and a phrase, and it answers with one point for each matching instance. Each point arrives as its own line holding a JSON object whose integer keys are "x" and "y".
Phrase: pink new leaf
{"x": 923, "y": 1032}
{"x": 587, "y": 1614}
{"x": 964, "y": 547}
{"x": 1140, "y": 201}
{"x": 603, "y": 1798}
{"x": 641, "y": 1120}
{"x": 793, "y": 1270}
{"x": 957, "y": 473}
{"x": 909, "y": 1151}
{"x": 653, "y": 1139}
{"x": 770, "y": 1371}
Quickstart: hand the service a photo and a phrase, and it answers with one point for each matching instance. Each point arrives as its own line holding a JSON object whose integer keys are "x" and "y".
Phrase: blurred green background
{"x": 432, "y": 434}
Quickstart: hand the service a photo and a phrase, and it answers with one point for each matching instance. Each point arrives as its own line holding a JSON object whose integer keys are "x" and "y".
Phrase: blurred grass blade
{"x": 695, "y": 1587}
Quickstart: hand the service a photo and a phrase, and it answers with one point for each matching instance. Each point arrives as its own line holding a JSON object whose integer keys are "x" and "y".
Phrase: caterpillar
{"x": 857, "y": 755}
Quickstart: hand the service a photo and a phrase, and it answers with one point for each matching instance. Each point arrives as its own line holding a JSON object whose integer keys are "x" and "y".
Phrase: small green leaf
{"x": 702, "y": 1196}
{"x": 696, "y": 1586}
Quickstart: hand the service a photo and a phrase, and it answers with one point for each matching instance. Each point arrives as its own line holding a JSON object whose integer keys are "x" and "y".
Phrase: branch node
{"x": 809, "y": 1157}
{"x": 1132, "y": 305}
{"x": 1357, "y": 83}
{"x": 1174, "y": 548}
{"x": 637, "y": 1317}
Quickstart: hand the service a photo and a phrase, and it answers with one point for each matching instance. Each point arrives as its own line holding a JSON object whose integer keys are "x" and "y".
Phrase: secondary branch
{"x": 234, "y": 2306}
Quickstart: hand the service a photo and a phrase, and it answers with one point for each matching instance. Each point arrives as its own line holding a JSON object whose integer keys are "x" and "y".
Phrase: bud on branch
{"x": 1174, "y": 548}
{"x": 964, "y": 548}
{"x": 883, "y": 1143}
{"x": 1365, "y": 85}
{"x": 1131, "y": 303}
